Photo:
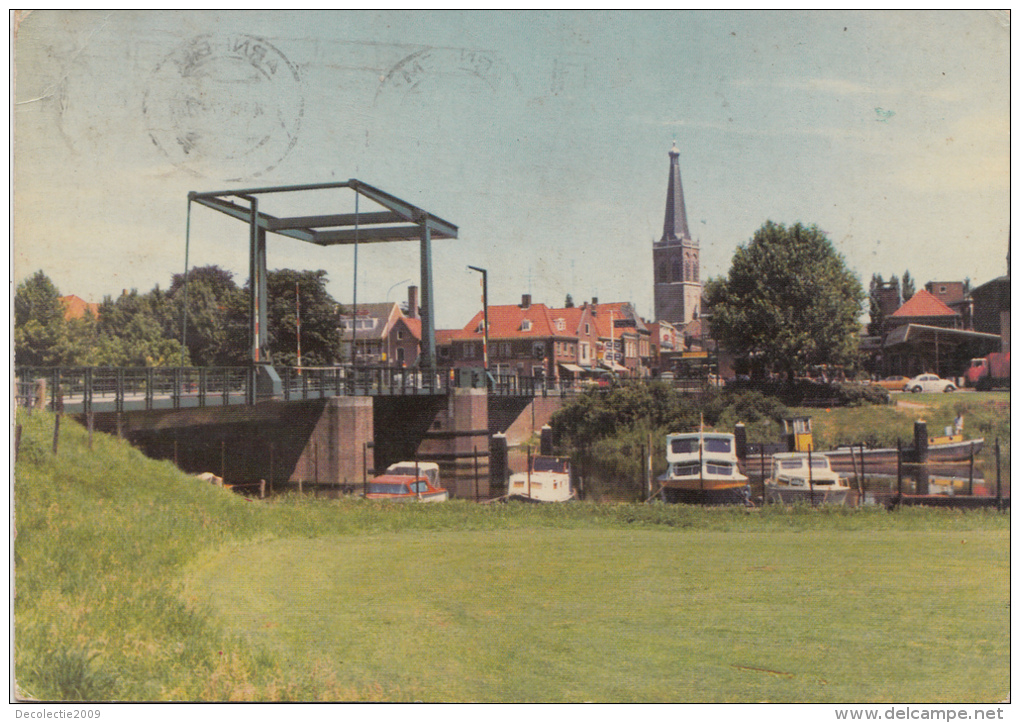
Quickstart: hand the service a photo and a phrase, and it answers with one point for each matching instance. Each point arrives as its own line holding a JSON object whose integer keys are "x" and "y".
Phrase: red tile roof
{"x": 924, "y": 304}
{"x": 507, "y": 322}
{"x": 75, "y": 307}
{"x": 414, "y": 326}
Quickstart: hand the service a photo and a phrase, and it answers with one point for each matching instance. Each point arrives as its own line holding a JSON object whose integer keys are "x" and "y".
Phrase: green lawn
{"x": 137, "y": 582}
{"x": 652, "y": 615}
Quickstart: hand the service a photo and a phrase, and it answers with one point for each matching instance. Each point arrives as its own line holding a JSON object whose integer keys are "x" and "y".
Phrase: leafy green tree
{"x": 39, "y": 326}
{"x": 320, "y": 332}
{"x": 877, "y": 318}
{"x": 908, "y": 286}
{"x": 211, "y": 295}
{"x": 789, "y": 301}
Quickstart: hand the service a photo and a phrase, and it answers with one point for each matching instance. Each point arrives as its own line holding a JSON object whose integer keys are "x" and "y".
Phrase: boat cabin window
{"x": 791, "y": 463}
{"x": 383, "y": 488}
{"x": 715, "y": 444}
{"x": 687, "y": 445}
{"x": 549, "y": 464}
{"x": 419, "y": 487}
{"x": 685, "y": 470}
{"x": 820, "y": 463}
{"x": 719, "y": 468}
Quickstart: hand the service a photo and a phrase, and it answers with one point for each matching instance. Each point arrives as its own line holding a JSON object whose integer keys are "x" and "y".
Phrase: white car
{"x": 928, "y": 383}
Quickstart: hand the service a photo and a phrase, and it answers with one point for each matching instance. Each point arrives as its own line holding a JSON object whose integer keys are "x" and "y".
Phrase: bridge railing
{"x": 318, "y": 382}
{"x": 141, "y": 387}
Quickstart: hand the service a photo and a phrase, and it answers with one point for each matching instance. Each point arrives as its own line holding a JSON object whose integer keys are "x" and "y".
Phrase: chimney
{"x": 525, "y": 301}
{"x": 594, "y": 306}
{"x": 412, "y": 302}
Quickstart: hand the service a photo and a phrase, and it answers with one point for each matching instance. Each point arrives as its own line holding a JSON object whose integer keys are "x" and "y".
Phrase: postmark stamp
{"x": 225, "y": 107}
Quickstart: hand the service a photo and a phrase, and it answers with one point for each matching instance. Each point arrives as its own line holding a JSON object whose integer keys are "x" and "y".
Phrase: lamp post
{"x": 485, "y": 315}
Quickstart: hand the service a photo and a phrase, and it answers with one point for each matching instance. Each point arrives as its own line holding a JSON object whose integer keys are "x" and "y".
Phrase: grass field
{"x": 136, "y": 582}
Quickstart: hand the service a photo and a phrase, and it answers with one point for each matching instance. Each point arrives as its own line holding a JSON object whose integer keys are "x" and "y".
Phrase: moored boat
{"x": 404, "y": 488}
{"x": 800, "y": 477}
{"x": 702, "y": 469}
{"x": 547, "y": 480}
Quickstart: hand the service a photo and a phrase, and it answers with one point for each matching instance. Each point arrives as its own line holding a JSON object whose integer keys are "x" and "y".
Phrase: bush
{"x": 809, "y": 393}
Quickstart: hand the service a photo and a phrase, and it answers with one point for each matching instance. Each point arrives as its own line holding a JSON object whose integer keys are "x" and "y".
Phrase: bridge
{"x": 327, "y": 427}
{"x": 295, "y": 425}
{"x": 84, "y": 390}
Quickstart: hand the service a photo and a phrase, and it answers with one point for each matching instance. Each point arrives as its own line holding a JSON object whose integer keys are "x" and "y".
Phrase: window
{"x": 400, "y": 355}
{"x": 561, "y": 325}
{"x": 714, "y": 444}
{"x": 506, "y": 349}
{"x": 400, "y": 334}
{"x": 587, "y": 329}
{"x": 584, "y": 351}
{"x": 469, "y": 350}
{"x": 526, "y": 325}
{"x": 538, "y": 350}
{"x": 662, "y": 279}
{"x": 677, "y": 272}
{"x": 719, "y": 468}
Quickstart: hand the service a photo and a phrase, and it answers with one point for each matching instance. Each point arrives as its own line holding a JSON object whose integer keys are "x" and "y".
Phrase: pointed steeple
{"x": 675, "y": 226}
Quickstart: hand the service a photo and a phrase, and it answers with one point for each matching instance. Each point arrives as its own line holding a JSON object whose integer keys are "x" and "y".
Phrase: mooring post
{"x": 272, "y": 450}
{"x": 90, "y": 423}
{"x": 262, "y": 489}
{"x": 998, "y": 478}
{"x": 970, "y": 482}
{"x": 476, "y": 472}
{"x": 862, "y": 468}
{"x": 921, "y": 449}
{"x": 364, "y": 468}
{"x": 764, "y": 494}
{"x": 899, "y": 467}
{"x": 56, "y": 432}
{"x": 223, "y": 459}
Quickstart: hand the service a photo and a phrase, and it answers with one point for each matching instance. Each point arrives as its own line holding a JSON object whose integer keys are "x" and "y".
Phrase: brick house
{"x": 625, "y": 345}
{"x": 383, "y": 334}
{"x": 523, "y": 339}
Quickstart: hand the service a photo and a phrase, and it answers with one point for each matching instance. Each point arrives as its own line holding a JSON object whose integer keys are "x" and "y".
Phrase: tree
{"x": 320, "y": 327}
{"x": 211, "y": 338}
{"x": 875, "y": 314}
{"x": 39, "y": 325}
{"x": 908, "y": 286}
{"x": 789, "y": 301}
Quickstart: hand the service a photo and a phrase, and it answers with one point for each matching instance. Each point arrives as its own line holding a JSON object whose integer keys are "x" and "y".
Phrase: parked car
{"x": 892, "y": 384}
{"x": 928, "y": 383}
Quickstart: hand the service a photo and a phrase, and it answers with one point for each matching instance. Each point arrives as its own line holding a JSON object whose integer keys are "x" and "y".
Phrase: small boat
{"x": 416, "y": 469}
{"x": 405, "y": 488}
{"x": 547, "y": 480}
{"x": 800, "y": 477}
{"x": 702, "y": 469}
{"x": 798, "y": 437}
{"x": 941, "y": 450}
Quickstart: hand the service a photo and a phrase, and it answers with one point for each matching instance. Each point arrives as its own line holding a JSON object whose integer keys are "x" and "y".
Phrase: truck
{"x": 989, "y": 372}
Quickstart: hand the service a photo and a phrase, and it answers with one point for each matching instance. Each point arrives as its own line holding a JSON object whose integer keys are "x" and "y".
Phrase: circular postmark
{"x": 225, "y": 107}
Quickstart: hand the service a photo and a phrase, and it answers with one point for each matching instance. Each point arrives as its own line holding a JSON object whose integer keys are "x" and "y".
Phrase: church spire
{"x": 675, "y": 226}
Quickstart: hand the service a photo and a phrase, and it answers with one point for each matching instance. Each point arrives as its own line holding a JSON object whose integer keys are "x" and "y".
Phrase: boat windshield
{"x": 549, "y": 464}
{"x": 382, "y": 488}
{"x": 791, "y": 463}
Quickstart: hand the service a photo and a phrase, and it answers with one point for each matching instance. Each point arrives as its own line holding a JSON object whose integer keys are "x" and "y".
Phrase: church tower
{"x": 675, "y": 257}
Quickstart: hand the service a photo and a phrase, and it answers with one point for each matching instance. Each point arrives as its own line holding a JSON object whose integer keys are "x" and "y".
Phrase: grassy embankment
{"x": 137, "y": 582}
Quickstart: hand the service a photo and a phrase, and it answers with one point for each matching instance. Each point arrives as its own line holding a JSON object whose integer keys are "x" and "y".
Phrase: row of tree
{"x": 137, "y": 329}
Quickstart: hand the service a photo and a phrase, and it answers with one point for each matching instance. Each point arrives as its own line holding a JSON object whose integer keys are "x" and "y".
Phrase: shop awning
{"x": 572, "y": 368}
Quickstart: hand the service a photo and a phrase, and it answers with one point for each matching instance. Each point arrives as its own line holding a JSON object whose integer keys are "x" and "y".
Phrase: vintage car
{"x": 892, "y": 384}
{"x": 928, "y": 383}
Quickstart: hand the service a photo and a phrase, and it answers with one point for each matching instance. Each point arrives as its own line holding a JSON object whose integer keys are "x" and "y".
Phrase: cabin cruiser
{"x": 702, "y": 469}
{"x": 547, "y": 480}
{"x": 805, "y": 477}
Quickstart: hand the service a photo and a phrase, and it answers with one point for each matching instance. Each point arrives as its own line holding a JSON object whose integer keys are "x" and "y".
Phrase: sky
{"x": 544, "y": 136}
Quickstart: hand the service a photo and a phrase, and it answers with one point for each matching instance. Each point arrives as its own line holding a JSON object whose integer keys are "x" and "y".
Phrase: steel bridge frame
{"x": 401, "y": 221}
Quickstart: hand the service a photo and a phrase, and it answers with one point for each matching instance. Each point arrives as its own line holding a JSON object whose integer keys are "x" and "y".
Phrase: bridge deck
{"x": 115, "y": 389}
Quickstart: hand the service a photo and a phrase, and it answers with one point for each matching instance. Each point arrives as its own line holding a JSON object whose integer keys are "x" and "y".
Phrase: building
{"x": 924, "y": 308}
{"x": 675, "y": 257}
{"x": 382, "y": 333}
{"x": 625, "y": 345}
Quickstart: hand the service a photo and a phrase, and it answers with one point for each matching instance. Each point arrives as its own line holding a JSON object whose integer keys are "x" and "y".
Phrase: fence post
{"x": 476, "y": 472}
{"x": 90, "y": 422}
{"x": 899, "y": 467}
{"x": 17, "y": 440}
{"x": 998, "y": 478}
{"x": 56, "y": 432}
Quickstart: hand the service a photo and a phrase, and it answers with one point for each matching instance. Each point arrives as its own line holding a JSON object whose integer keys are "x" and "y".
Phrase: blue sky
{"x": 543, "y": 136}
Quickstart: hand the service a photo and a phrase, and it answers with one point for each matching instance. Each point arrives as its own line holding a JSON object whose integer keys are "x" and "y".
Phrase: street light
{"x": 485, "y": 313}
